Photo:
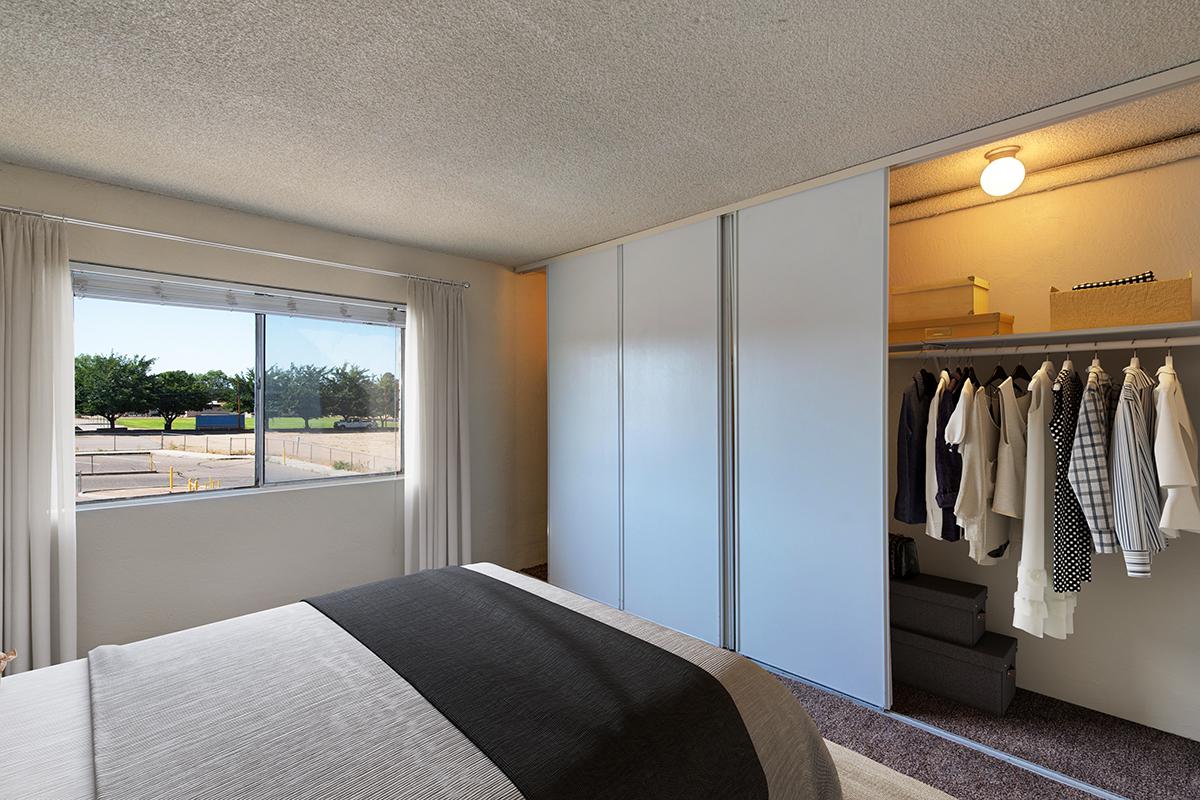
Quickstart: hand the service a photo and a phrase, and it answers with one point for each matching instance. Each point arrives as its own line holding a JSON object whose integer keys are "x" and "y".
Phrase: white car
{"x": 354, "y": 424}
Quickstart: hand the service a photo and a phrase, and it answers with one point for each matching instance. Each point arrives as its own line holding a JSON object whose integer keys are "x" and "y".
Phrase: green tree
{"x": 385, "y": 397}
{"x": 240, "y": 394}
{"x": 216, "y": 383}
{"x": 176, "y": 392}
{"x": 113, "y": 385}
{"x": 295, "y": 391}
{"x": 346, "y": 392}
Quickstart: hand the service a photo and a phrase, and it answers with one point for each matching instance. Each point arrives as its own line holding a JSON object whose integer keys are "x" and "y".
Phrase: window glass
{"x": 164, "y": 399}
{"x": 332, "y": 397}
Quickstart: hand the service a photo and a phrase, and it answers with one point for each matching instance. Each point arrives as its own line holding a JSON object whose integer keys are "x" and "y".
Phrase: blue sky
{"x": 199, "y": 340}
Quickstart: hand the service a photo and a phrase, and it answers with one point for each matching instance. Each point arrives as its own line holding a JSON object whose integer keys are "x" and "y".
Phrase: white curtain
{"x": 37, "y": 462}
{"x": 437, "y": 465}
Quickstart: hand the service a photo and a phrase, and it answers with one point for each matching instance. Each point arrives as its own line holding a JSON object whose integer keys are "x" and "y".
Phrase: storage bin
{"x": 960, "y": 298}
{"x": 990, "y": 324}
{"x": 983, "y": 676}
{"x": 954, "y": 611}
{"x": 1117, "y": 306}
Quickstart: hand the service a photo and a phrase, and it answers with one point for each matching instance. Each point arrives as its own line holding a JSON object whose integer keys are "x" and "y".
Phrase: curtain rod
{"x": 254, "y": 251}
{"x": 933, "y": 351}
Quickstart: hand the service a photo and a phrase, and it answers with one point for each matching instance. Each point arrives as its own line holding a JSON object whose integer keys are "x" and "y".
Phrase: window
{"x": 171, "y": 374}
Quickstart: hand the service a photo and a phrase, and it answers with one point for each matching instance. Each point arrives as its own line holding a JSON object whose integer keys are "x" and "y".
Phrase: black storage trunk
{"x": 945, "y": 609}
{"x": 983, "y": 676}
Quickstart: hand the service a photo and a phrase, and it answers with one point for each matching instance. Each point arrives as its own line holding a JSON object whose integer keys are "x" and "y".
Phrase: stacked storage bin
{"x": 940, "y": 643}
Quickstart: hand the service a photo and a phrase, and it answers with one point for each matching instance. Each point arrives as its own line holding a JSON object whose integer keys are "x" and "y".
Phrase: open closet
{"x": 725, "y": 403}
{"x": 1050, "y": 494}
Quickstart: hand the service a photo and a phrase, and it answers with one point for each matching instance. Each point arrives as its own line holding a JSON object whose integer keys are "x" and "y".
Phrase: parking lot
{"x": 148, "y": 463}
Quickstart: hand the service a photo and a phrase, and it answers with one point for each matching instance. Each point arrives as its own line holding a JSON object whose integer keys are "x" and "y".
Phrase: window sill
{"x": 215, "y": 494}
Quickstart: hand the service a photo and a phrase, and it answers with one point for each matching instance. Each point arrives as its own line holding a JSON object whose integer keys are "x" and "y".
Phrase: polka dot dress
{"x": 1072, "y": 563}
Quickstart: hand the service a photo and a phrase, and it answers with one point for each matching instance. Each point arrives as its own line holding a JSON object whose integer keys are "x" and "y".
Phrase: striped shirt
{"x": 1136, "y": 507}
{"x": 1088, "y": 471}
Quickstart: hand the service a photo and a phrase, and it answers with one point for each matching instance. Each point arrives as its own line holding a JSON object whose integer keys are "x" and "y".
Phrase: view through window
{"x": 166, "y": 401}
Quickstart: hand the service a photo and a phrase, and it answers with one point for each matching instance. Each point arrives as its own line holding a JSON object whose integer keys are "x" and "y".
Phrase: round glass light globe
{"x": 1002, "y": 176}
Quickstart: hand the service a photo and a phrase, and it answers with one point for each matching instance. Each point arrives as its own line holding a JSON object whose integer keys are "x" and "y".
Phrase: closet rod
{"x": 932, "y": 350}
{"x": 254, "y": 251}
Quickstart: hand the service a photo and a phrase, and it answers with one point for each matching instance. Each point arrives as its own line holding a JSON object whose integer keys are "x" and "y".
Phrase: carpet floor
{"x": 1124, "y": 757}
{"x": 959, "y": 771}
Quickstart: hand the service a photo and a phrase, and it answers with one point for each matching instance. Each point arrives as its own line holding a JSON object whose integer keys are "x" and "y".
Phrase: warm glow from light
{"x": 1004, "y": 172}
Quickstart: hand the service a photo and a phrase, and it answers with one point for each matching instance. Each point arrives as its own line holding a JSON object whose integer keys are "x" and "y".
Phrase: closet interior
{"x": 1044, "y": 347}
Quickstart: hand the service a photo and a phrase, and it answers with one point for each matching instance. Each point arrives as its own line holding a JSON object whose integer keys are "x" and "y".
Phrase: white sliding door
{"x": 671, "y": 384}
{"x": 583, "y": 525}
{"x": 811, "y": 358}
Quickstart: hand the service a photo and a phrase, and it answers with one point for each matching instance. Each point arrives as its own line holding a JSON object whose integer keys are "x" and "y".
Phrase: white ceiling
{"x": 1163, "y": 116}
{"x": 511, "y": 130}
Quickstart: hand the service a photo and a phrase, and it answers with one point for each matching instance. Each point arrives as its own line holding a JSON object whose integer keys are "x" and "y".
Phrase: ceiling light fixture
{"x": 1004, "y": 172}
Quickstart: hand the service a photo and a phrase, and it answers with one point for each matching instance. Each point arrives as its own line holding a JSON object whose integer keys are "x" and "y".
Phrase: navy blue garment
{"x": 910, "y": 448}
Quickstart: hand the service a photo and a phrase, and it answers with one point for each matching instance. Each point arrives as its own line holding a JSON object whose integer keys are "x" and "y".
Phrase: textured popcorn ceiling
{"x": 1157, "y": 118}
{"x": 512, "y": 131}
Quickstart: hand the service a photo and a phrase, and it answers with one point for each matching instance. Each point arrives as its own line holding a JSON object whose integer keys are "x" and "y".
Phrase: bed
{"x": 471, "y": 682}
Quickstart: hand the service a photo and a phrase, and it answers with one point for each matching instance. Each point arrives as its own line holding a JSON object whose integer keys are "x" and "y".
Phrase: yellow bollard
{"x": 285, "y": 454}
{"x": 171, "y": 479}
{"x": 151, "y": 454}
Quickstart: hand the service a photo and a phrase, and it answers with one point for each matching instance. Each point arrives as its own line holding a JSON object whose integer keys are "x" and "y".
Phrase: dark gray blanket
{"x": 566, "y": 706}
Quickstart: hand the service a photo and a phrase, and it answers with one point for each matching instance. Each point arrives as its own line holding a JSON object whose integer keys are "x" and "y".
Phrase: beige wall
{"x": 1090, "y": 231}
{"x": 1136, "y": 648}
{"x": 148, "y": 569}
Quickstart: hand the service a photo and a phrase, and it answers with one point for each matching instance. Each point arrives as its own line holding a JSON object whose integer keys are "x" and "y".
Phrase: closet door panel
{"x": 583, "y": 525}
{"x": 812, "y": 341}
{"x": 671, "y": 338}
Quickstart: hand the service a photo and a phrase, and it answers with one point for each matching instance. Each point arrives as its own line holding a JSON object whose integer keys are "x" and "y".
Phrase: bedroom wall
{"x": 1120, "y": 225}
{"x": 152, "y": 568}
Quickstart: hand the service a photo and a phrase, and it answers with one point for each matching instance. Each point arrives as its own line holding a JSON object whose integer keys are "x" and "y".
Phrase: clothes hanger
{"x": 998, "y": 375}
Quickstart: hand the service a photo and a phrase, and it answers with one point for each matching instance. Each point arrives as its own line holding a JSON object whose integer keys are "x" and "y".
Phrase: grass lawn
{"x": 189, "y": 423}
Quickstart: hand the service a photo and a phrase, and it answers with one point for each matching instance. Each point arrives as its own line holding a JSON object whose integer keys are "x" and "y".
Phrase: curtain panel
{"x": 37, "y": 461}
{"x": 437, "y": 468}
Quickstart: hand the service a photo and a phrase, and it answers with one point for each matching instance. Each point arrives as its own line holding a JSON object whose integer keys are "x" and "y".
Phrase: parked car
{"x": 355, "y": 424}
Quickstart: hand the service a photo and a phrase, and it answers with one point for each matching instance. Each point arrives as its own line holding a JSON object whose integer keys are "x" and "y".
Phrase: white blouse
{"x": 933, "y": 512}
{"x": 1175, "y": 456}
{"x": 975, "y": 432}
{"x": 1037, "y": 608}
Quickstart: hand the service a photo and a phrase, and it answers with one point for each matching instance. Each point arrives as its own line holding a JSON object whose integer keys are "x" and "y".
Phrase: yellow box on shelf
{"x": 959, "y": 298}
{"x": 1116, "y": 306}
{"x": 964, "y": 327}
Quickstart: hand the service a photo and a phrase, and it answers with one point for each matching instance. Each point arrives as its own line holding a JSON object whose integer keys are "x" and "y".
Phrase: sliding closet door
{"x": 811, "y": 358}
{"x": 583, "y": 530}
{"x": 671, "y": 383}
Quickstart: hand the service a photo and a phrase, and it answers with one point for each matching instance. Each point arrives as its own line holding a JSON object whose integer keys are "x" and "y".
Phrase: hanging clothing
{"x": 974, "y": 431}
{"x": 1037, "y": 609}
{"x": 1136, "y": 508}
{"x": 1089, "y": 468}
{"x": 1010, "y": 456}
{"x": 910, "y": 449}
{"x": 1072, "y": 550}
{"x": 1175, "y": 453}
{"x": 933, "y": 512}
{"x": 947, "y": 461}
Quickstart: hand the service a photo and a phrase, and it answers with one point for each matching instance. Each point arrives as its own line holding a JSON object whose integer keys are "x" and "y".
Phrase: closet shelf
{"x": 1174, "y": 334}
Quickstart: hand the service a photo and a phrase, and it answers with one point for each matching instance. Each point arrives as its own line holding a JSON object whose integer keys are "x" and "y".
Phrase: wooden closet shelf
{"x": 1163, "y": 335}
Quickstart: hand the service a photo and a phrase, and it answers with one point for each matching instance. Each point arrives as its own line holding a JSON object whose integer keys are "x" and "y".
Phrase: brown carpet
{"x": 1121, "y": 756}
{"x": 959, "y": 771}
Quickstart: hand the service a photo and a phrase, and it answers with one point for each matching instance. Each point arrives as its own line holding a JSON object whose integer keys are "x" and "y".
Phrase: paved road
{"x": 130, "y": 475}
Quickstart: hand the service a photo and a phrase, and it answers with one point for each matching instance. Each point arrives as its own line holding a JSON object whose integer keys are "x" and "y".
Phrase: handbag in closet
{"x": 902, "y": 556}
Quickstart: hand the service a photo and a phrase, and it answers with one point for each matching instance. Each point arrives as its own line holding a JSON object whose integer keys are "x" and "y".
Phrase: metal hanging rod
{"x": 254, "y": 251}
{"x": 932, "y": 350}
